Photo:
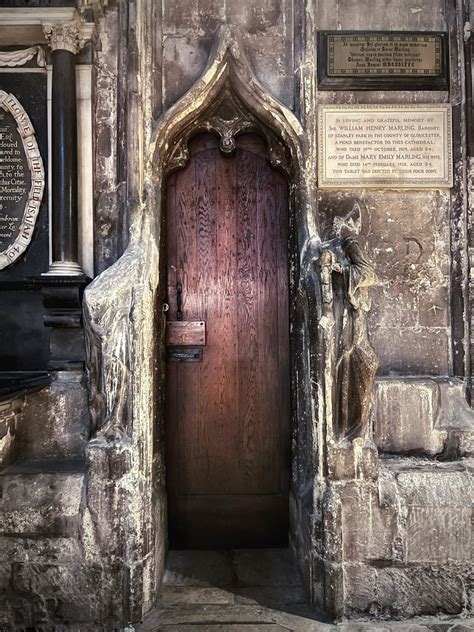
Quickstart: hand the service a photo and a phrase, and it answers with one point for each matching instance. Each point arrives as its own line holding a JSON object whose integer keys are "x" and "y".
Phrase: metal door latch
{"x": 183, "y": 354}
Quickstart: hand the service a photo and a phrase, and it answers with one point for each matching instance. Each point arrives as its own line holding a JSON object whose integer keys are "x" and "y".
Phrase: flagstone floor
{"x": 253, "y": 591}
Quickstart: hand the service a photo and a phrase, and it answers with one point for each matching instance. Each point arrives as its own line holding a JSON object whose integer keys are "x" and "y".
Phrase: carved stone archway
{"x": 125, "y": 332}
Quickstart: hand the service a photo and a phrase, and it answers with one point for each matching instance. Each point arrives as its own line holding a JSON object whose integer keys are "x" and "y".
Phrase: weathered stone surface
{"x": 44, "y": 505}
{"x": 425, "y": 416}
{"x": 268, "y": 37}
{"x": 197, "y": 569}
{"x": 405, "y": 416}
{"x": 271, "y": 596}
{"x": 107, "y": 114}
{"x": 358, "y": 460}
{"x": 10, "y": 410}
{"x": 377, "y": 15}
{"x": 412, "y": 262}
{"x": 172, "y": 595}
{"x": 438, "y": 535}
{"x": 41, "y": 550}
{"x": 371, "y": 536}
{"x": 420, "y": 482}
{"x": 184, "y": 59}
{"x": 456, "y": 418}
{"x": 398, "y": 592}
{"x": 369, "y": 530}
{"x": 55, "y": 422}
{"x": 268, "y": 567}
{"x": 403, "y": 543}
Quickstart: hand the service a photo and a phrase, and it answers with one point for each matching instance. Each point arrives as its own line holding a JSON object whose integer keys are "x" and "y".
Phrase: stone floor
{"x": 252, "y": 591}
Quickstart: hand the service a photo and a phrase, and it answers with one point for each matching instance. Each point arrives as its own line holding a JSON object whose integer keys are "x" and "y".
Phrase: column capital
{"x": 70, "y": 36}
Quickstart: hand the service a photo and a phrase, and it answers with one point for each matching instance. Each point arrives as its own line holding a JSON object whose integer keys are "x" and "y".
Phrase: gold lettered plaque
{"x": 368, "y": 55}
{"x": 385, "y": 146}
{"x": 386, "y": 59}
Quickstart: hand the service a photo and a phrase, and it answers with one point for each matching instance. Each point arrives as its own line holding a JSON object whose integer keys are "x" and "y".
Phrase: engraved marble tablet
{"x": 385, "y": 146}
{"x": 22, "y": 179}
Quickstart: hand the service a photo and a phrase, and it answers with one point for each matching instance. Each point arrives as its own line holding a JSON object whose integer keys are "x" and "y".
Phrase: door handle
{"x": 179, "y": 295}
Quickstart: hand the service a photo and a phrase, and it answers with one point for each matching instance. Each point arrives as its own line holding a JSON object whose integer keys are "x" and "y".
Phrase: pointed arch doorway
{"x": 227, "y": 401}
{"x": 126, "y": 336}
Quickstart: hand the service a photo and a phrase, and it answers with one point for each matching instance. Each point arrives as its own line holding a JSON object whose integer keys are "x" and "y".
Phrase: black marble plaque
{"x": 24, "y": 340}
{"x": 384, "y": 60}
{"x": 29, "y": 89}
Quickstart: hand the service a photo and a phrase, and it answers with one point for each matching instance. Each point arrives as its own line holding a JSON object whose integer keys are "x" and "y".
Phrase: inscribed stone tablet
{"x": 385, "y": 146}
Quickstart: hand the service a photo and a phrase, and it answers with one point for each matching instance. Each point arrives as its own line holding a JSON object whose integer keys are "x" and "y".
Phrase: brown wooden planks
{"x": 227, "y": 428}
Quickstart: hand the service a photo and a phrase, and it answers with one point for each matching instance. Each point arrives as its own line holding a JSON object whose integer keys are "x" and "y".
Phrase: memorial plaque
{"x": 385, "y": 146}
{"x": 387, "y": 60}
{"x": 22, "y": 179}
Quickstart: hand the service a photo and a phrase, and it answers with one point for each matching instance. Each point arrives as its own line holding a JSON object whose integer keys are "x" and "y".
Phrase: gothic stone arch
{"x": 126, "y": 496}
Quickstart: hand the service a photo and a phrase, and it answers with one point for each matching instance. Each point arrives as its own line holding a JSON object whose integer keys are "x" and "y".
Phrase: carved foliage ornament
{"x": 17, "y": 229}
{"x": 13, "y": 58}
{"x": 64, "y": 36}
{"x": 228, "y": 118}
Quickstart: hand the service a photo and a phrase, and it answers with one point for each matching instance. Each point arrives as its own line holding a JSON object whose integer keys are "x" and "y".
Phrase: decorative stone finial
{"x": 64, "y": 36}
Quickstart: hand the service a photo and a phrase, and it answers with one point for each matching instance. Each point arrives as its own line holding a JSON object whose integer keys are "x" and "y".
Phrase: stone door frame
{"x": 126, "y": 494}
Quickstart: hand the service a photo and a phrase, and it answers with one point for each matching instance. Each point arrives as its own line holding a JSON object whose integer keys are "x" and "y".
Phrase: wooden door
{"x": 228, "y": 416}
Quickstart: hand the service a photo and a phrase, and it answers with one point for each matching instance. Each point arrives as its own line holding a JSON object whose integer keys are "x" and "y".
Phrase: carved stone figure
{"x": 355, "y": 362}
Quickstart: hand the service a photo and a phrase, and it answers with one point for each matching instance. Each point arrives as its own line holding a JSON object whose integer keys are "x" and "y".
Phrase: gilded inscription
{"x": 382, "y": 55}
{"x": 385, "y": 146}
{"x": 22, "y": 179}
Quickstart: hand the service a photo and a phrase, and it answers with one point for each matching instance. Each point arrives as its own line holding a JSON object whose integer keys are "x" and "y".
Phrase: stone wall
{"x": 407, "y": 233}
{"x": 45, "y": 573}
{"x": 404, "y": 540}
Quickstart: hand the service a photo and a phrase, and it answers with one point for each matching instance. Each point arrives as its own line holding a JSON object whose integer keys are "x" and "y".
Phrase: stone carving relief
{"x": 228, "y": 118}
{"x": 108, "y": 379}
{"x": 13, "y": 58}
{"x": 346, "y": 277}
{"x": 65, "y": 36}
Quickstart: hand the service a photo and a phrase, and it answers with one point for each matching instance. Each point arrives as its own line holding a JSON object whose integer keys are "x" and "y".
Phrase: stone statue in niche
{"x": 346, "y": 276}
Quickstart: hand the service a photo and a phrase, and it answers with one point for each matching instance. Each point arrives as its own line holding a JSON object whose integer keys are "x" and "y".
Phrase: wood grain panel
{"x": 247, "y": 312}
{"x": 228, "y": 416}
{"x": 186, "y": 332}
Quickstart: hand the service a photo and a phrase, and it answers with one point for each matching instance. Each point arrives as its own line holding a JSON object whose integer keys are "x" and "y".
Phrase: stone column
{"x": 65, "y": 40}
{"x": 63, "y": 285}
